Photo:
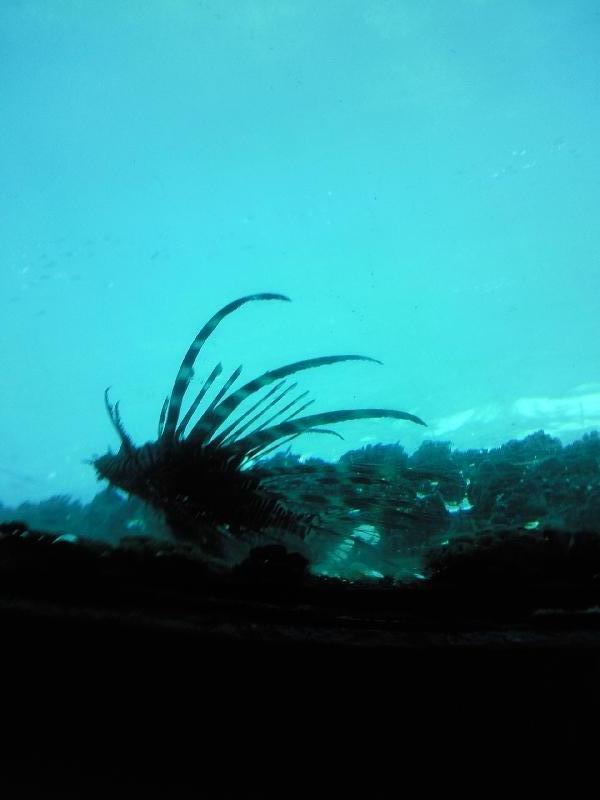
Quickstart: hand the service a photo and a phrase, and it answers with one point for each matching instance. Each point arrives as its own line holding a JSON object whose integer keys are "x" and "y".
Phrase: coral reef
{"x": 436, "y": 504}
{"x": 109, "y": 517}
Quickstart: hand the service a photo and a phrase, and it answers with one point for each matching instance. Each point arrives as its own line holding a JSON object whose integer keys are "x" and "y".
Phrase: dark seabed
{"x": 476, "y": 605}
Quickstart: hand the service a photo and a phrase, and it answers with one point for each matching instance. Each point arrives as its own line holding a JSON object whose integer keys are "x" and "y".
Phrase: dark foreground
{"x": 133, "y": 667}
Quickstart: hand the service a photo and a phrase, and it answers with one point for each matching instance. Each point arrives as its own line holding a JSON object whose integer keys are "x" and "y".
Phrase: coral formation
{"x": 398, "y": 507}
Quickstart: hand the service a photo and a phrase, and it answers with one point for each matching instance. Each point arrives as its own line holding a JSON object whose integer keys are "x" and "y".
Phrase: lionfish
{"x": 209, "y": 475}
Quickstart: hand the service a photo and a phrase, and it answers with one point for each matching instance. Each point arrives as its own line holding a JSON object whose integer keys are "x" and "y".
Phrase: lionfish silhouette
{"x": 210, "y": 476}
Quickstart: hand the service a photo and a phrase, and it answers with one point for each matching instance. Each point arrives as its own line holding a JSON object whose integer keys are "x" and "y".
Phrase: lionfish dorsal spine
{"x": 185, "y": 373}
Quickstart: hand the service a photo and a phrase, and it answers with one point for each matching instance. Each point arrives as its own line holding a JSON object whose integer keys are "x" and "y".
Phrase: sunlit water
{"x": 422, "y": 179}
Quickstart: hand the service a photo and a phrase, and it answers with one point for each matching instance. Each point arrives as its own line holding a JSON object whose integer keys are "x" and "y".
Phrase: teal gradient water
{"x": 422, "y": 178}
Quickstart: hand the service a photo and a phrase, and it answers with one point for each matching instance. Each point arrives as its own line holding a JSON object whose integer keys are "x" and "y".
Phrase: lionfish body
{"x": 207, "y": 476}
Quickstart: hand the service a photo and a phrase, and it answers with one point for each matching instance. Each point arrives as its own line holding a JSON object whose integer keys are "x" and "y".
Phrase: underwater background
{"x": 421, "y": 178}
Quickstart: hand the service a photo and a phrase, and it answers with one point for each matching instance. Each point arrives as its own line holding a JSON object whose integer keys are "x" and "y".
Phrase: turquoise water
{"x": 421, "y": 178}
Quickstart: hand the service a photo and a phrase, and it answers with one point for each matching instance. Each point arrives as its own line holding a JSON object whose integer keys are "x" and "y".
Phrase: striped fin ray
{"x": 283, "y": 429}
{"x": 185, "y": 372}
{"x": 277, "y": 414}
{"x": 163, "y": 414}
{"x": 201, "y": 427}
{"x": 232, "y": 432}
{"x": 290, "y": 416}
{"x": 115, "y": 418}
{"x": 199, "y": 397}
{"x": 260, "y": 452}
{"x": 224, "y": 409}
